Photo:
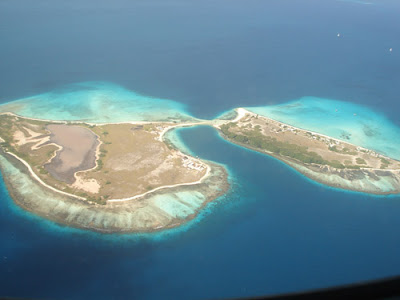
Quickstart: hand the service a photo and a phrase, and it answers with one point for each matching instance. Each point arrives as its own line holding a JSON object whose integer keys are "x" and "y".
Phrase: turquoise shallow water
{"x": 276, "y": 231}
{"x": 259, "y": 238}
{"x": 96, "y": 102}
{"x": 357, "y": 124}
{"x": 107, "y": 102}
{"x": 173, "y": 137}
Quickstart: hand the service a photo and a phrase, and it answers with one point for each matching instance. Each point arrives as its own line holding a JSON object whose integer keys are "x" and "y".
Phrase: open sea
{"x": 275, "y": 231}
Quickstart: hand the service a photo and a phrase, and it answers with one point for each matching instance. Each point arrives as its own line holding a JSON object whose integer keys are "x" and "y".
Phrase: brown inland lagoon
{"x": 78, "y": 151}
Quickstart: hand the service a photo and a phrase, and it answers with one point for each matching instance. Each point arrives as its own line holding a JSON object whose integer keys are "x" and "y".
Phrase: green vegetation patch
{"x": 361, "y": 161}
{"x": 384, "y": 163}
{"x": 255, "y": 139}
{"x": 345, "y": 150}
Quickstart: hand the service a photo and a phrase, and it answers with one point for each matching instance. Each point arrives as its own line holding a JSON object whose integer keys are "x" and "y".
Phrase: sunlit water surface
{"x": 275, "y": 231}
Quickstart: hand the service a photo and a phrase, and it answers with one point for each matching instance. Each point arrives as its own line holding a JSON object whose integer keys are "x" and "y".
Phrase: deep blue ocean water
{"x": 275, "y": 231}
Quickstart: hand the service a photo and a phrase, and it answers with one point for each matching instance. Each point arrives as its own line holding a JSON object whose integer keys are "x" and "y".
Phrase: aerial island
{"x": 128, "y": 177}
{"x": 322, "y": 158}
{"x": 105, "y": 177}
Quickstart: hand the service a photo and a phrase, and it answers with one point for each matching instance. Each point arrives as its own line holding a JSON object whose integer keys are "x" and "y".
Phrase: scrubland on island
{"x": 126, "y": 168}
{"x": 124, "y": 177}
{"x": 322, "y": 158}
{"x": 100, "y": 162}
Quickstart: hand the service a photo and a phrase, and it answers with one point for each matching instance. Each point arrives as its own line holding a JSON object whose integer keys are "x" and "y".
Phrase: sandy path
{"x": 40, "y": 180}
{"x": 163, "y": 187}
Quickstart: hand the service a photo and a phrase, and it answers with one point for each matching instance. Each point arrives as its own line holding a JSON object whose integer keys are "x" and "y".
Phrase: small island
{"x": 107, "y": 177}
{"x": 322, "y": 158}
{"x": 129, "y": 177}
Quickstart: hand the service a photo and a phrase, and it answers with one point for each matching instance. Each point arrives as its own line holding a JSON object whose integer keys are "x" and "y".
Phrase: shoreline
{"x": 162, "y": 208}
{"x": 314, "y": 178}
{"x": 97, "y": 153}
{"x": 122, "y": 218}
{"x": 317, "y": 133}
{"x": 73, "y": 122}
{"x": 310, "y": 171}
{"x": 40, "y": 181}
